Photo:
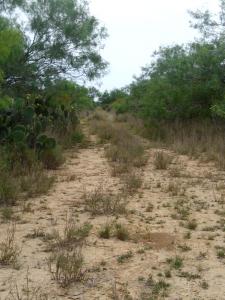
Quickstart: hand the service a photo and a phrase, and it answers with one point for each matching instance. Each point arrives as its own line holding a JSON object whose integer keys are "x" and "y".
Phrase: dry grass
{"x": 200, "y": 139}
{"x": 67, "y": 267}
{"x": 126, "y": 149}
{"x": 36, "y": 183}
{"x": 9, "y": 251}
{"x": 27, "y": 291}
{"x": 132, "y": 182}
{"x": 100, "y": 202}
{"x": 162, "y": 160}
{"x": 66, "y": 261}
{"x": 121, "y": 232}
{"x": 105, "y": 231}
{"x": 72, "y": 236}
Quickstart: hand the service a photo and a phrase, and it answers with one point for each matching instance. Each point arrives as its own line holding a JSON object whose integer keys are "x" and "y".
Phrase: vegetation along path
{"x": 154, "y": 231}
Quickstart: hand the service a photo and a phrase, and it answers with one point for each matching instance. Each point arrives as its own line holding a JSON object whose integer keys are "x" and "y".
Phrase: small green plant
{"x": 220, "y": 253}
{"x": 176, "y": 263}
{"x": 158, "y": 289}
{"x": 77, "y": 137}
{"x": 105, "y": 231}
{"x": 26, "y": 291}
{"x": 124, "y": 257}
{"x": 72, "y": 235}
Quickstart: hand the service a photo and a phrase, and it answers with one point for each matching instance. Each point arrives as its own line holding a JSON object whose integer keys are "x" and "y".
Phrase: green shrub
{"x": 9, "y": 189}
{"x": 105, "y": 231}
{"x": 52, "y": 158}
{"x": 77, "y": 137}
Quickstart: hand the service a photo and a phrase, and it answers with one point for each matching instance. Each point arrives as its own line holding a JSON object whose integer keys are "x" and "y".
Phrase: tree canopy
{"x": 59, "y": 39}
{"x": 185, "y": 81}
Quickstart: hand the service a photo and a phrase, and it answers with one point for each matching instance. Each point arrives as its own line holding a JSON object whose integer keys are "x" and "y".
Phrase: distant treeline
{"x": 183, "y": 81}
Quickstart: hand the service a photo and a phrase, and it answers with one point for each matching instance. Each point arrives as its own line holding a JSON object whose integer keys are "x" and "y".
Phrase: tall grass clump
{"x": 197, "y": 138}
{"x": 66, "y": 262}
{"x": 9, "y": 250}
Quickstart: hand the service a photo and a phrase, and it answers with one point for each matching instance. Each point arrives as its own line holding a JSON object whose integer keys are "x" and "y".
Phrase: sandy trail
{"x": 198, "y": 186}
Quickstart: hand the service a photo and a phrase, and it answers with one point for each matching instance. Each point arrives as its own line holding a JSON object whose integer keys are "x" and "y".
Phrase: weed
{"x": 184, "y": 248}
{"x": 121, "y": 232}
{"x": 67, "y": 267}
{"x": 7, "y": 213}
{"x": 220, "y": 253}
{"x": 9, "y": 189}
{"x": 100, "y": 203}
{"x": 105, "y": 231}
{"x": 132, "y": 182}
{"x": 37, "y": 233}
{"x": 73, "y": 235}
{"x": 158, "y": 288}
{"x": 78, "y": 137}
{"x": 187, "y": 235}
{"x": 162, "y": 160}
{"x": 26, "y": 292}
{"x": 9, "y": 251}
{"x": 150, "y": 207}
{"x": 183, "y": 209}
{"x": 176, "y": 263}
{"x": 124, "y": 257}
{"x": 174, "y": 188}
{"x": 52, "y": 158}
{"x": 189, "y": 276}
{"x": 36, "y": 183}
{"x": 192, "y": 225}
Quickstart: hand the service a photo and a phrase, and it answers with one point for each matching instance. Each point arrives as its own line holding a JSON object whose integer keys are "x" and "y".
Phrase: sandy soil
{"x": 157, "y": 234}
